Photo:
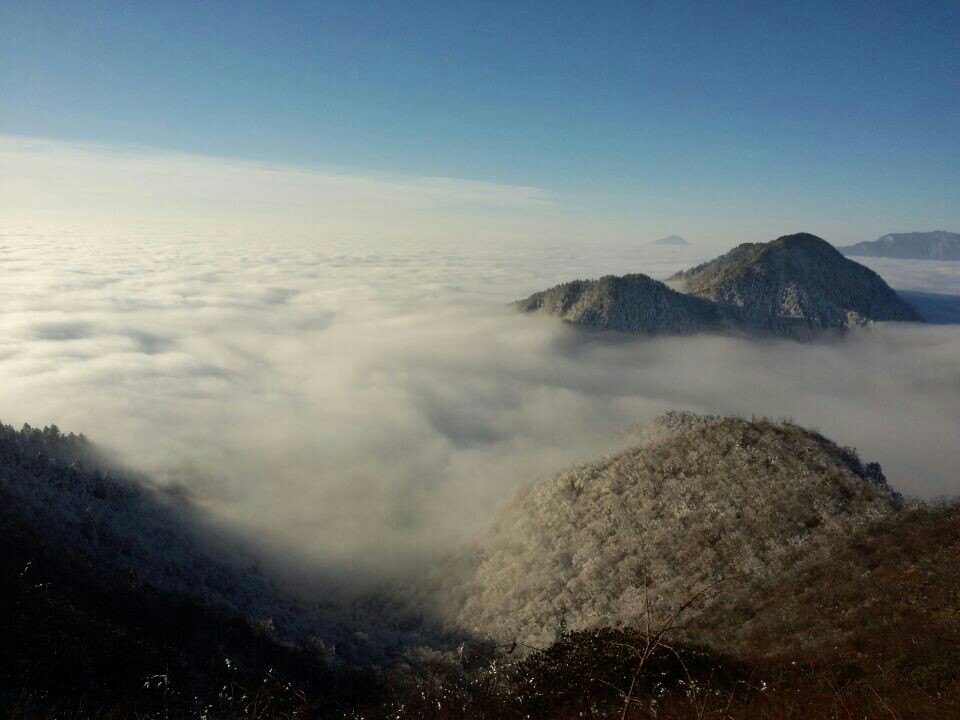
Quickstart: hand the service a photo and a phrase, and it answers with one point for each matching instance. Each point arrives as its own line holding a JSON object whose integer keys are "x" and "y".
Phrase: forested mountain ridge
{"x": 124, "y": 526}
{"x": 702, "y": 498}
{"x": 795, "y": 286}
{"x": 796, "y": 279}
{"x": 127, "y": 534}
{"x": 632, "y": 303}
{"x": 111, "y": 604}
{"x": 807, "y": 549}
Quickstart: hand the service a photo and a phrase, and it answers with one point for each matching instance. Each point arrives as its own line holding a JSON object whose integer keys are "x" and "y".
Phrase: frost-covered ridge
{"x": 701, "y": 499}
{"x": 131, "y": 533}
{"x": 794, "y": 286}
{"x": 632, "y": 303}
{"x": 796, "y": 279}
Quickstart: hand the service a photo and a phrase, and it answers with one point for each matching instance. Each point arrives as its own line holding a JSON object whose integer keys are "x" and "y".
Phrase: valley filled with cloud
{"x": 312, "y": 393}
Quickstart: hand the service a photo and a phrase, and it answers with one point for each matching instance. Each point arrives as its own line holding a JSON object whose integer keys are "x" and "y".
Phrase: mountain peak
{"x": 800, "y": 240}
{"x": 793, "y": 281}
{"x": 670, "y": 240}
{"x": 698, "y": 497}
{"x": 796, "y": 286}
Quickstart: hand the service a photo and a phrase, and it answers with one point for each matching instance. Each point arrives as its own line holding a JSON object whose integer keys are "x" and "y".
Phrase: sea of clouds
{"x": 364, "y": 407}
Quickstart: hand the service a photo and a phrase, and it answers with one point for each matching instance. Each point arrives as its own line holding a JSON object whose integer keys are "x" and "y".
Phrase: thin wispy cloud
{"x": 110, "y": 186}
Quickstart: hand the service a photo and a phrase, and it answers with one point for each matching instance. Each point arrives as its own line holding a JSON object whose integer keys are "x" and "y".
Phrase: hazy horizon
{"x": 116, "y": 189}
{"x": 557, "y": 122}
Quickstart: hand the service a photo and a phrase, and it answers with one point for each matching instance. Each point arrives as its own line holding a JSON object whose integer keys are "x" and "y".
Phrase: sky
{"x": 719, "y": 121}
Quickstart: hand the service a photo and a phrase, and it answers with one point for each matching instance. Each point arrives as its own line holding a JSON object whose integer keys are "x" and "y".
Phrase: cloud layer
{"x": 364, "y": 406}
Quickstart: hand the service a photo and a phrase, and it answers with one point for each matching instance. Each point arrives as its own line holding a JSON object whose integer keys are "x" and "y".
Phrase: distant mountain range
{"x": 936, "y": 245}
{"x": 794, "y": 286}
{"x": 670, "y": 240}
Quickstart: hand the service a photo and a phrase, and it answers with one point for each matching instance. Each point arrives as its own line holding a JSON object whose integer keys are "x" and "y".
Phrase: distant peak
{"x": 670, "y": 240}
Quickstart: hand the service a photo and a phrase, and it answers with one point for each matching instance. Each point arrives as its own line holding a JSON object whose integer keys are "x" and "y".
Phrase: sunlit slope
{"x": 796, "y": 279}
{"x": 703, "y": 498}
{"x": 796, "y": 286}
{"x": 630, "y": 304}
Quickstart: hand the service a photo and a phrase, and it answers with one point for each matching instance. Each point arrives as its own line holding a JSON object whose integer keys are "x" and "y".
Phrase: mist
{"x": 359, "y": 409}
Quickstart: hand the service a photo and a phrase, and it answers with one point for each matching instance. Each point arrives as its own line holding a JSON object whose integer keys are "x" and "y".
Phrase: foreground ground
{"x": 874, "y": 633}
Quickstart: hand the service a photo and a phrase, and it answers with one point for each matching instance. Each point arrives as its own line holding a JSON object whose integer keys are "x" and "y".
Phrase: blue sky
{"x": 742, "y": 116}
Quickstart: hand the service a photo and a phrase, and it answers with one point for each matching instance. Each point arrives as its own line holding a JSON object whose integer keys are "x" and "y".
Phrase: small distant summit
{"x": 795, "y": 286}
{"x": 935, "y": 245}
{"x": 674, "y": 240}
